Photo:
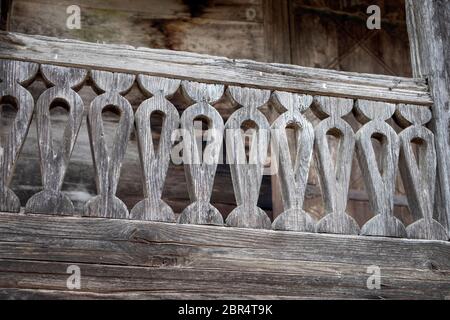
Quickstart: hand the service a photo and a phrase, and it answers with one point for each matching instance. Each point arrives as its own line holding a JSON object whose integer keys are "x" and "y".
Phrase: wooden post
{"x": 428, "y": 27}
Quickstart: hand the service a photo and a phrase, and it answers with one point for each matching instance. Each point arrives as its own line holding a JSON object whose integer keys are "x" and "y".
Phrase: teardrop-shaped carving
{"x": 55, "y": 159}
{"x": 293, "y": 177}
{"x": 107, "y": 163}
{"x": 155, "y": 163}
{"x": 419, "y": 175}
{"x": 335, "y": 182}
{"x": 380, "y": 182}
{"x": 200, "y": 167}
{"x": 14, "y": 75}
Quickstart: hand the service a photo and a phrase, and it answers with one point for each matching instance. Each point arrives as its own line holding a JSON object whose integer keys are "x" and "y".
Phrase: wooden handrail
{"x": 211, "y": 69}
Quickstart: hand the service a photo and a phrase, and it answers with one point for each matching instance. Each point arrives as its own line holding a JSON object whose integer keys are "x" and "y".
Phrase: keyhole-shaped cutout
{"x": 334, "y": 139}
{"x": 293, "y": 132}
{"x": 419, "y": 148}
{"x": 380, "y": 147}
{"x": 249, "y": 137}
{"x": 59, "y": 116}
{"x": 8, "y": 113}
{"x": 157, "y": 119}
{"x": 110, "y": 118}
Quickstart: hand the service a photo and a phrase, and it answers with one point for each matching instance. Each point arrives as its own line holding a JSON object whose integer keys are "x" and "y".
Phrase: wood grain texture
{"x": 428, "y": 24}
{"x": 155, "y": 162}
{"x": 54, "y": 157}
{"x": 293, "y": 175}
{"x": 418, "y": 172}
{"x": 133, "y": 259}
{"x": 379, "y": 180}
{"x": 214, "y": 69}
{"x": 200, "y": 165}
{"x": 230, "y": 28}
{"x": 107, "y": 163}
{"x": 334, "y": 175}
{"x": 247, "y": 170}
{"x": 14, "y": 74}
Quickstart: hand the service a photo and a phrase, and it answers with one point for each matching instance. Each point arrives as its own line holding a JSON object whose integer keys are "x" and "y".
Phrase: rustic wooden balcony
{"x": 150, "y": 251}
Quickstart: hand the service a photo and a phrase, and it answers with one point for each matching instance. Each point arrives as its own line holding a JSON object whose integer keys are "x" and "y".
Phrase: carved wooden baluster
{"x": 55, "y": 159}
{"x": 107, "y": 163}
{"x": 155, "y": 163}
{"x": 419, "y": 177}
{"x": 247, "y": 175}
{"x": 200, "y": 173}
{"x": 293, "y": 176}
{"x": 14, "y": 75}
{"x": 380, "y": 182}
{"x": 334, "y": 180}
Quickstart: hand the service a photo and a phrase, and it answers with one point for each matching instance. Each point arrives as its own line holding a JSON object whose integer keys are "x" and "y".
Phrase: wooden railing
{"x": 393, "y": 111}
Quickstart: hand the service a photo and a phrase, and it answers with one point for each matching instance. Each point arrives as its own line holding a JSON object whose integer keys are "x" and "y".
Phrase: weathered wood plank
{"x": 5, "y": 14}
{"x": 55, "y": 157}
{"x": 153, "y": 260}
{"x": 231, "y": 28}
{"x": 293, "y": 173}
{"x": 127, "y": 242}
{"x": 155, "y": 161}
{"x": 308, "y": 280}
{"x": 334, "y": 178}
{"x": 379, "y": 178}
{"x": 107, "y": 163}
{"x": 14, "y": 74}
{"x": 247, "y": 168}
{"x": 184, "y": 65}
{"x": 200, "y": 165}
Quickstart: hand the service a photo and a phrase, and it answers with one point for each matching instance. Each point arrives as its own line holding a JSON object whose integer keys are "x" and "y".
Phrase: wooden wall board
{"x": 164, "y": 260}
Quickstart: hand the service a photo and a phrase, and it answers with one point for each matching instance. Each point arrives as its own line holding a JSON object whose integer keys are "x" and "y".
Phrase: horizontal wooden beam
{"x": 130, "y": 259}
{"x": 211, "y": 69}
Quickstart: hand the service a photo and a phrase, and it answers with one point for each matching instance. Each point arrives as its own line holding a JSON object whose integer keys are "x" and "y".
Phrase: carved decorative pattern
{"x": 380, "y": 182}
{"x": 155, "y": 162}
{"x": 200, "y": 171}
{"x": 419, "y": 171}
{"x": 14, "y": 75}
{"x": 334, "y": 179}
{"x": 55, "y": 157}
{"x": 293, "y": 177}
{"x": 247, "y": 174}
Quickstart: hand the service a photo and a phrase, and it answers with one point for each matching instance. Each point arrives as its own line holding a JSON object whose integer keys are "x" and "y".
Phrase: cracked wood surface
{"x": 130, "y": 259}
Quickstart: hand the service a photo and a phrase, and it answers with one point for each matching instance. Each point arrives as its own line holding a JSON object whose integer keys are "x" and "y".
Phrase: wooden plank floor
{"x": 130, "y": 259}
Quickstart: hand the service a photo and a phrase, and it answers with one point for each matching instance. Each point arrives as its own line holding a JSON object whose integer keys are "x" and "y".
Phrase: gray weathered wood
{"x": 379, "y": 181}
{"x": 293, "y": 176}
{"x": 200, "y": 165}
{"x": 155, "y": 162}
{"x": 5, "y": 14}
{"x": 135, "y": 259}
{"x": 334, "y": 179}
{"x": 419, "y": 175}
{"x": 107, "y": 163}
{"x": 14, "y": 74}
{"x": 428, "y": 27}
{"x": 203, "y": 68}
{"x": 246, "y": 172}
{"x": 55, "y": 158}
